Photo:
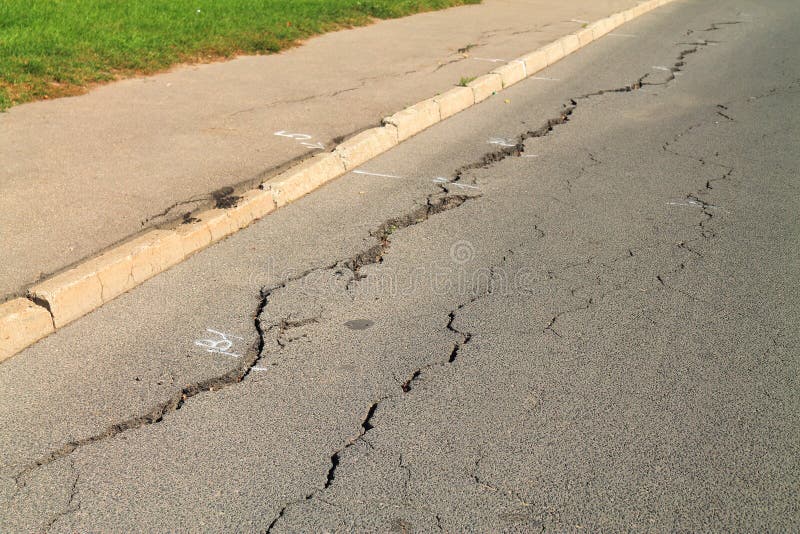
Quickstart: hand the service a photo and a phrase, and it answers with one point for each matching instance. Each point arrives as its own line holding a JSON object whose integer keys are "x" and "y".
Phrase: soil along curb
{"x": 77, "y": 291}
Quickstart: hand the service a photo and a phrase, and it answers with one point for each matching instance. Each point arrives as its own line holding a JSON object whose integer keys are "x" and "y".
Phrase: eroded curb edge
{"x": 73, "y": 293}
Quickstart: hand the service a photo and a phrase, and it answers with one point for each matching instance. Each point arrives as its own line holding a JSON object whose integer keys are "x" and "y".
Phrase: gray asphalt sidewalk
{"x": 80, "y": 174}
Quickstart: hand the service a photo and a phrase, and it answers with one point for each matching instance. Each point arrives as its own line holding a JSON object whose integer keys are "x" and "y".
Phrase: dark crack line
{"x": 154, "y": 416}
{"x": 70, "y": 506}
{"x": 168, "y": 209}
{"x": 176, "y": 402}
{"x": 593, "y": 162}
{"x": 405, "y": 388}
{"x": 435, "y": 203}
{"x": 718, "y": 25}
{"x": 549, "y": 327}
{"x": 476, "y": 478}
{"x": 335, "y": 459}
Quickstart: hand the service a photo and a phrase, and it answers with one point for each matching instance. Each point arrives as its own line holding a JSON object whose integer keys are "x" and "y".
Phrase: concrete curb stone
{"x": 414, "y": 119}
{"x": 304, "y": 178}
{"x": 455, "y": 100}
{"x": 535, "y": 61}
{"x": 485, "y": 86}
{"x": 87, "y": 286}
{"x": 554, "y": 52}
{"x": 600, "y": 28}
{"x": 22, "y": 323}
{"x": 512, "y": 72}
{"x": 569, "y": 43}
{"x": 585, "y": 36}
{"x": 366, "y": 145}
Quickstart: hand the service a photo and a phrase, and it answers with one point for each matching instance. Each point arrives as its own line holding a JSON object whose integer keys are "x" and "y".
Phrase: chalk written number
{"x": 303, "y": 138}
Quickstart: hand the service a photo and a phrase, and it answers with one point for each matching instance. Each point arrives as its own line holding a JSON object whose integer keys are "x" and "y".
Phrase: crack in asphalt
{"x": 475, "y": 477}
{"x": 69, "y": 507}
{"x": 405, "y": 388}
{"x": 486, "y": 161}
{"x": 435, "y": 203}
{"x": 593, "y": 162}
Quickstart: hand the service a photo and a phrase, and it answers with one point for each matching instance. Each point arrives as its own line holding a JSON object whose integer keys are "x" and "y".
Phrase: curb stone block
{"x": 22, "y": 323}
{"x": 128, "y": 265}
{"x": 83, "y": 288}
{"x": 219, "y": 224}
{"x": 485, "y": 86}
{"x": 600, "y": 28}
{"x": 512, "y": 72}
{"x": 70, "y": 294}
{"x": 585, "y": 36}
{"x": 628, "y": 15}
{"x": 414, "y": 119}
{"x": 252, "y": 205}
{"x": 554, "y": 52}
{"x": 534, "y": 62}
{"x": 366, "y": 146}
{"x": 617, "y": 20}
{"x": 455, "y": 100}
{"x": 569, "y": 44}
{"x": 194, "y": 236}
{"x": 304, "y": 178}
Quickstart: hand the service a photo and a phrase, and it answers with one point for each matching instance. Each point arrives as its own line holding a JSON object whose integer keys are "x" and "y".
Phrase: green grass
{"x": 51, "y": 48}
{"x": 465, "y": 80}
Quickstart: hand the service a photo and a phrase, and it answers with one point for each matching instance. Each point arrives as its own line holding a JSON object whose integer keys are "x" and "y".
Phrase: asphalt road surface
{"x": 572, "y": 307}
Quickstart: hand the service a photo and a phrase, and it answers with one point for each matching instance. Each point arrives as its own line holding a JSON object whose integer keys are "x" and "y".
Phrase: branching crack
{"x": 70, "y": 506}
{"x": 478, "y": 480}
{"x": 435, "y": 203}
{"x": 549, "y": 327}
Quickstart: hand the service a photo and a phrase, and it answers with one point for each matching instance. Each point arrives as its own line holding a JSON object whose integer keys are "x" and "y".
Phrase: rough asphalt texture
{"x": 80, "y": 174}
{"x": 593, "y": 328}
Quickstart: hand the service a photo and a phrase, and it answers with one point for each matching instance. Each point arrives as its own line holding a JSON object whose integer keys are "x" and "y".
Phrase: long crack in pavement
{"x": 516, "y": 150}
{"x": 435, "y": 203}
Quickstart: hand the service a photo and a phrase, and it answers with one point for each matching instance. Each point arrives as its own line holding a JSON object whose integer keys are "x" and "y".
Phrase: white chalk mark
{"x": 579, "y": 21}
{"x": 442, "y": 180}
{"x": 377, "y": 174}
{"x": 545, "y": 78}
{"x": 615, "y": 34}
{"x": 659, "y": 67}
{"x": 221, "y": 334}
{"x": 530, "y": 155}
{"x": 318, "y": 146}
{"x": 524, "y": 67}
{"x": 501, "y": 141}
{"x": 691, "y": 203}
{"x": 298, "y": 136}
{"x": 256, "y": 368}
{"x": 218, "y": 346}
{"x": 492, "y": 60}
